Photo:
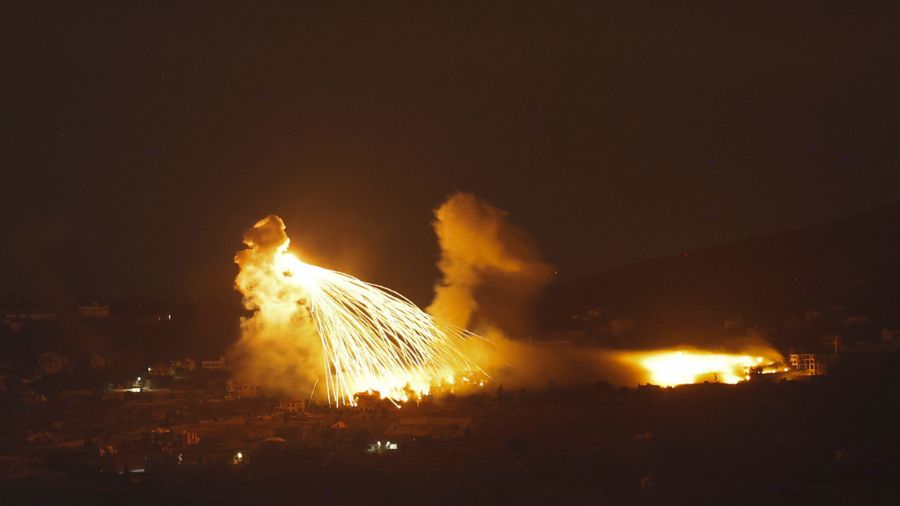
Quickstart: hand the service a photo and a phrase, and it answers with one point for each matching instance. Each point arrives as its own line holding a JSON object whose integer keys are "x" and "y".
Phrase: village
{"x": 629, "y": 443}
{"x": 190, "y": 413}
{"x": 167, "y": 427}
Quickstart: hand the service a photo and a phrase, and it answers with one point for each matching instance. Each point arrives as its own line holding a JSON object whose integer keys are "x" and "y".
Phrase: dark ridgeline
{"x": 844, "y": 269}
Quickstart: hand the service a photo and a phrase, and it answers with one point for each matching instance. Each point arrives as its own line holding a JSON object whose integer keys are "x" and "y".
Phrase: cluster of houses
{"x": 146, "y": 439}
{"x": 14, "y": 315}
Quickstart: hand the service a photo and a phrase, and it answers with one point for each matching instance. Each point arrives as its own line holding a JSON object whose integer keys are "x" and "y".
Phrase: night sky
{"x": 141, "y": 139}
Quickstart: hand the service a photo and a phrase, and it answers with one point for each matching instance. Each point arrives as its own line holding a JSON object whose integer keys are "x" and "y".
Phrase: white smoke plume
{"x": 279, "y": 348}
{"x": 491, "y": 274}
{"x": 481, "y": 249}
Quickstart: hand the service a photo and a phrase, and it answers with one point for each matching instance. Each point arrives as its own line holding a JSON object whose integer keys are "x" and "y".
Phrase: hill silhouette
{"x": 782, "y": 283}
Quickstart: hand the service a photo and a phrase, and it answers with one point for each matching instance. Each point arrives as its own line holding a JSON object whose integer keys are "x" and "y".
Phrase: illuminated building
{"x": 239, "y": 389}
{"x": 810, "y": 364}
{"x": 214, "y": 365}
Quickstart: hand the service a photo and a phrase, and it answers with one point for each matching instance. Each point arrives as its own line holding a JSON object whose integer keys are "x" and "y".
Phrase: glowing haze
{"x": 311, "y": 323}
{"x": 483, "y": 253}
{"x": 680, "y": 367}
{"x": 313, "y": 327}
{"x": 480, "y": 247}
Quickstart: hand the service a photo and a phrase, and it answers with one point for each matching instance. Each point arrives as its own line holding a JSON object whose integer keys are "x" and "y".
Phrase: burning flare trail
{"x": 372, "y": 338}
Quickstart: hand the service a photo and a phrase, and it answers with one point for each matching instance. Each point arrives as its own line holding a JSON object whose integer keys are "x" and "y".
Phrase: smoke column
{"x": 481, "y": 249}
{"x": 279, "y": 347}
{"x": 491, "y": 273}
{"x": 357, "y": 336}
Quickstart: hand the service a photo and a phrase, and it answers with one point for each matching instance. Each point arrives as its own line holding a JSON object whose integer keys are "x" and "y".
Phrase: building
{"x": 291, "y": 406}
{"x": 187, "y": 364}
{"x": 29, "y": 315}
{"x": 31, "y": 398}
{"x": 25, "y": 310}
{"x": 99, "y": 362}
{"x": 95, "y": 310}
{"x": 890, "y": 335}
{"x": 432, "y": 427}
{"x": 160, "y": 369}
{"x": 190, "y": 437}
{"x": 811, "y": 364}
{"x": 369, "y": 401}
{"x": 53, "y": 363}
{"x": 240, "y": 389}
{"x": 378, "y": 447}
{"x": 214, "y": 365}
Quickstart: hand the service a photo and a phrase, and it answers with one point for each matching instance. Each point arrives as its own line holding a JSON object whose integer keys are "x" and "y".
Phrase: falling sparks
{"x": 372, "y": 338}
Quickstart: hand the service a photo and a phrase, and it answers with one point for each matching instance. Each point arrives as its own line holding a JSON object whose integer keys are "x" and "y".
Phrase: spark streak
{"x": 372, "y": 338}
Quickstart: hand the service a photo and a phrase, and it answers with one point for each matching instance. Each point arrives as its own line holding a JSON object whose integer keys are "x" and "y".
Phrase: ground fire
{"x": 315, "y": 326}
{"x": 680, "y": 367}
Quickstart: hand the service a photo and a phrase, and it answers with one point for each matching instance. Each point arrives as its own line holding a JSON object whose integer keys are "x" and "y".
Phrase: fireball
{"x": 679, "y": 367}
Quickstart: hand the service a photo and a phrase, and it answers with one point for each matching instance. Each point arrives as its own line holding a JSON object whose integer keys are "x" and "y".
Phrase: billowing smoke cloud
{"x": 491, "y": 270}
{"x": 491, "y": 273}
{"x": 279, "y": 347}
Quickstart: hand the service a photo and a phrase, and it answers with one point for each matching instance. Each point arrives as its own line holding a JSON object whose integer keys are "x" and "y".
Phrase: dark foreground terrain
{"x": 831, "y": 440}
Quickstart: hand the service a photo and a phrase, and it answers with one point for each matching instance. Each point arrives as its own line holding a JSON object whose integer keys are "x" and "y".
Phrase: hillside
{"x": 842, "y": 271}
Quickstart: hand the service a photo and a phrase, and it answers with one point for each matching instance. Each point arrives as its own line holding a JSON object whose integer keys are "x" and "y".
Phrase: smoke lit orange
{"x": 372, "y": 338}
{"x": 680, "y": 367}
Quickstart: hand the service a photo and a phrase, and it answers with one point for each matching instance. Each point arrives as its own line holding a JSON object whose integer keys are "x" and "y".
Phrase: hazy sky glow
{"x": 142, "y": 139}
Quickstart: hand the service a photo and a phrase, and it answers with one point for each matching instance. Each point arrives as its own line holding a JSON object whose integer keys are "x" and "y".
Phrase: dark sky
{"x": 141, "y": 139}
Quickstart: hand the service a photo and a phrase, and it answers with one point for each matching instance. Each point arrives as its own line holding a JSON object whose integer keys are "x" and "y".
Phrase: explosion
{"x": 492, "y": 270}
{"x": 371, "y": 338}
{"x": 680, "y": 367}
{"x": 313, "y": 325}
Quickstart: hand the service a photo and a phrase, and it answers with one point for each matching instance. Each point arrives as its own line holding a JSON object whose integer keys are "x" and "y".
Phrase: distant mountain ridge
{"x": 852, "y": 264}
